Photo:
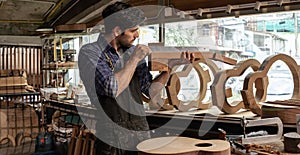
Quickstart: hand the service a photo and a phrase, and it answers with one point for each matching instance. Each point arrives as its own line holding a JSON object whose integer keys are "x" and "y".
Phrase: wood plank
{"x": 11, "y": 58}
{"x": 18, "y": 55}
{"x": 286, "y": 112}
{"x": 15, "y": 57}
{"x": 159, "y": 58}
{"x": 71, "y": 28}
{"x": 13, "y": 91}
{"x": 12, "y": 81}
{"x": 12, "y": 87}
{"x": 33, "y": 79}
{"x": 6, "y": 58}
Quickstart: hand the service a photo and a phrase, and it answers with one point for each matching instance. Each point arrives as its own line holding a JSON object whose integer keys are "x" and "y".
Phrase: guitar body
{"x": 183, "y": 146}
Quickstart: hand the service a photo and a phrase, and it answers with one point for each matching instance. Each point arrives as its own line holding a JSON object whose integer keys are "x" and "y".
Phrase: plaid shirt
{"x": 94, "y": 64}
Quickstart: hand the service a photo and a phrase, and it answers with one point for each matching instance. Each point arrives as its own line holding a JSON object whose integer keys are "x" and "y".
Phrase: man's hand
{"x": 185, "y": 58}
{"x": 140, "y": 52}
{"x": 124, "y": 76}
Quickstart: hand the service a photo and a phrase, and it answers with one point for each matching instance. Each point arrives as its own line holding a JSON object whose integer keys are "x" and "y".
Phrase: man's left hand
{"x": 185, "y": 58}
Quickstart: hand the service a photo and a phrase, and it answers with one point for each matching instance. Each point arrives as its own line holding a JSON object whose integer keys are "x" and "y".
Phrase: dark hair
{"x": 123, "y": 15}
{"x": 113, "y": 8}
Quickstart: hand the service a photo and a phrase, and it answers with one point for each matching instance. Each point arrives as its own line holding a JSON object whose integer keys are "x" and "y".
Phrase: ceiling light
{"x": 200, "y": 12}
{"x": 279, "y": 2}
{"x": 44, "y": 30}
{"x": 229, "y": 9}
{"x": 257, "y": 6}
{"x": 181, "y": 14}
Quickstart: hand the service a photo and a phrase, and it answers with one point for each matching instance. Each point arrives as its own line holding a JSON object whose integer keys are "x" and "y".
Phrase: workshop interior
{"x": 240, "y": 95}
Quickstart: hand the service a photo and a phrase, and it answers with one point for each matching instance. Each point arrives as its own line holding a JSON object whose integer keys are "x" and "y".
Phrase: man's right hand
{"x": 141, "y": 51}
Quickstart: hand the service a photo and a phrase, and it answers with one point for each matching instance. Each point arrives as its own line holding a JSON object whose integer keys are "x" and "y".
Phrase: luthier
{"x": 57, "y": 29}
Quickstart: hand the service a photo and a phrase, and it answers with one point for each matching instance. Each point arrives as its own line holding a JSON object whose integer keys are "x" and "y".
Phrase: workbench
{"x": 205, "y": 124}
{"x": 200, "y": 124}
{"x": 66, "y": 106}
{"x": 197, "y": 123}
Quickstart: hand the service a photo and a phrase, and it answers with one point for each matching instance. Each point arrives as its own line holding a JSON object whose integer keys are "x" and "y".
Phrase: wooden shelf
{"x": 61, "y": 66}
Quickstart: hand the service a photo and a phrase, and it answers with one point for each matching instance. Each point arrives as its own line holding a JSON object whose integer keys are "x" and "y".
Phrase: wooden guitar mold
{"x": 159, "y": 59}
{"x": 250, "y": 100}
{"x": 183, "y": 146}
{"x": 173, "y": 85}
{"x": 218, "y": 90}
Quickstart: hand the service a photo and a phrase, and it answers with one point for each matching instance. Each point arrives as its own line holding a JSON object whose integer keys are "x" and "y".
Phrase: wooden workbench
{"x": 204, "y": 124}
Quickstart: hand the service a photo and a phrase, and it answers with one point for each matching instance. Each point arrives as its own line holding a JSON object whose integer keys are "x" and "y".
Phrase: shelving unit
{"x": 59, "y": 60}
{"x": 60, "y": 111}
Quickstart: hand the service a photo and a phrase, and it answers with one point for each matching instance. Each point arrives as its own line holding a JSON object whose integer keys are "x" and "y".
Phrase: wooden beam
{"x": 20, "y": 40}
{"x": 71, "y": 28}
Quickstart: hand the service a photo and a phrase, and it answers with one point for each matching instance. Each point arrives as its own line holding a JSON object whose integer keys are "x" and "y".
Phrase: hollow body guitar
{"x": 183, "y": 146}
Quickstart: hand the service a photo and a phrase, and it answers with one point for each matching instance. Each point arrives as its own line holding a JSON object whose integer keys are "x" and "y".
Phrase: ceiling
{"x": 24, "y": 17}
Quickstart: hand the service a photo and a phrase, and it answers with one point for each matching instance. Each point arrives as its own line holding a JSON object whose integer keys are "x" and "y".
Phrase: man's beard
{"x": 126, "y": 45}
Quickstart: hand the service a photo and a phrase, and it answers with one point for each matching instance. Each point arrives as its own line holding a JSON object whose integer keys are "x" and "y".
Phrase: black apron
{"x": 127, "y": 125}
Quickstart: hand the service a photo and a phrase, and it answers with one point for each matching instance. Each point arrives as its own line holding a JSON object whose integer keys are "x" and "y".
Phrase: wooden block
{"x": 12, "y": 91}
{"x": 161, "y": 55}
{"x": 158, "y": 65}
{"x": 286, "y": 112}
{"x": 164, "y": 57}
{"x": 5, "y": 73}
{"x": 12, "y": 81}
{"x": 13, "y": 72}
{"x": 71, "y": 28}
{"x": 224, "y": 59}
{"x": 13, "y": 87}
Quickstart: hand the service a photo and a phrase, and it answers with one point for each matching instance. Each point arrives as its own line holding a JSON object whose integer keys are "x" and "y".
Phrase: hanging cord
{"x": 109, "y": 62}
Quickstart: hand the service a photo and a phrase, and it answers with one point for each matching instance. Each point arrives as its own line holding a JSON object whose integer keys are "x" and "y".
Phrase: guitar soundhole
{"x": 204, "y": 145}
